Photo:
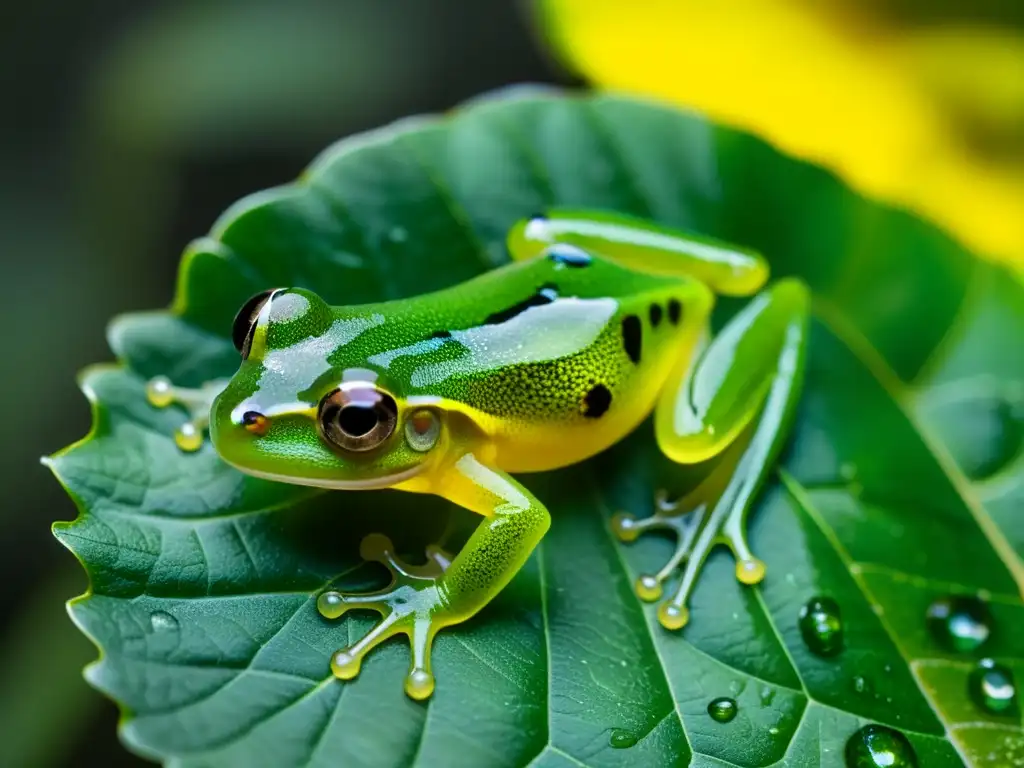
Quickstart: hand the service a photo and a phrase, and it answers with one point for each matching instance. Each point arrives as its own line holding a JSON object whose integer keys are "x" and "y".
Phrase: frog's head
{"x": 299, "y": 411}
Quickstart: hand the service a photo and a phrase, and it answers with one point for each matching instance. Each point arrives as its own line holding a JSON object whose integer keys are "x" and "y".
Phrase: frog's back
{"x": 555, "y": 359}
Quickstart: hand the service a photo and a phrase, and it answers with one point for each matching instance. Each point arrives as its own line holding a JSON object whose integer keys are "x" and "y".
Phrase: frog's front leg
{"x": 162, "y": 393}
{"x": 738, "y": 397}
{"x": 424, "y": 599}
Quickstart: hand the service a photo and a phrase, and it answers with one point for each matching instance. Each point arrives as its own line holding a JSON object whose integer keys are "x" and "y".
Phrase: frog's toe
{"x": 403, "y": 611}
{"x": 162, "y": 393}
{"x": 378, "y": 548}
{"x": 419, "y": 681}
{"x": 697, "y": 531}
{"x": 439, "y": 557}
{"x": 628, "y": 528}
{"x": 649, "y": 587}
{"x": 189, "y": 437}
{"x": 411, "y": 605}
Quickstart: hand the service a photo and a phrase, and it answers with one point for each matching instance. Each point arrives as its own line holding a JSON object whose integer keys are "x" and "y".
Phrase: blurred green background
{"x": 128, "y": 127}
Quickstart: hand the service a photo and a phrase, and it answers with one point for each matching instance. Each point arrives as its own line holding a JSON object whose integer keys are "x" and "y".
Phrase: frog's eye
{"x": 422, "y": 430}
{"x": 245, "y": 322}
{"x": 357, "y": 418}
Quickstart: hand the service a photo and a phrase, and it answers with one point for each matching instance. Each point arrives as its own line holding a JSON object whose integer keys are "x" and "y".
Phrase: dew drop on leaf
{"x": 861, "y": 685}
{"x": 960, "y": 624}
{"x": 722, "y": 709}
{"x": 767, "y": 696}
{"x": 161, "y": 621}
{"x": 622, "y": 739}
{"x": 875, "y": 746}
{"x": 992, "y": 687}
{"x": 983, "y": 429}
{"x": 821, "y": 626}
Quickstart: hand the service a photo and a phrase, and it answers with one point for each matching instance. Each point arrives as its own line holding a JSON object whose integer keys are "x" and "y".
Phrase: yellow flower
{"x": 928, "y": 116}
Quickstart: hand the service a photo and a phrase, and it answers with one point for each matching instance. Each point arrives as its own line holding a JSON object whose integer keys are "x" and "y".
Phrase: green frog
{"x": 598, "y": 321}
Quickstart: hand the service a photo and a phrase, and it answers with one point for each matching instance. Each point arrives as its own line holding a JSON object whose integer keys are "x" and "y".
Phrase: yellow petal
{"x": 930, "y": 118}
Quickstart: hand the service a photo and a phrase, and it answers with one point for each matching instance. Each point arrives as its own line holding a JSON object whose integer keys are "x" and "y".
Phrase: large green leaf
{"x": 903, "y": 483}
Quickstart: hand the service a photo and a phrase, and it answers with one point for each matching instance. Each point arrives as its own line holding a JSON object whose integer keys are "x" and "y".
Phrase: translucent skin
{"x": 536, "y": 365}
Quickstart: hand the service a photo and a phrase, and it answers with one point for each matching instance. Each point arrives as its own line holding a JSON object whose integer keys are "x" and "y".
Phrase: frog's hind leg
{"x": 735, "y": 402}
{"x": 161, "y": 393}
{"x": 641, "y": 245}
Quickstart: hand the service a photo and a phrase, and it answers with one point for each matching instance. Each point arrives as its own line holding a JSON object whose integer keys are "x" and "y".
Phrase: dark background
{"x": 127, "y": 127}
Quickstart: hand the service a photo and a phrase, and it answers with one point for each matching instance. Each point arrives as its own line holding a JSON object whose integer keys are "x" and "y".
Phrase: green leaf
{"x": 903, "y": 483}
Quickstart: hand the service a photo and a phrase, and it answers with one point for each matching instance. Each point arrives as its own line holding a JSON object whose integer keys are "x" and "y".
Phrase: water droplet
{"x": 821, "y": 626}
{"x": 773, "y": 731}
{"x": 983, "y": 427}
{"x": 161, "y": 621}
{"x": 992, "y": 688}
{"x": 875, "y": 746}
{"x": 861, "y": 685}
{"x": 398, "y": 235}
{"x": 622, "y": 739}
{"x": 767, "y": 696}
{"x": 722, "y": 709}
{"x": 960, "y": 624}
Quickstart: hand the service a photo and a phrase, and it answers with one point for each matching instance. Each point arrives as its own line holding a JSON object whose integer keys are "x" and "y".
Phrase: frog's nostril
{"x": 255, "y": 422}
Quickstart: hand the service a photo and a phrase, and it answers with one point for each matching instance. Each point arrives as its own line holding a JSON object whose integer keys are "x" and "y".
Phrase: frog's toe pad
{"x": 750, "y": 571}
{"x": 189, "y": 437}
{"x": 419, "y": 684}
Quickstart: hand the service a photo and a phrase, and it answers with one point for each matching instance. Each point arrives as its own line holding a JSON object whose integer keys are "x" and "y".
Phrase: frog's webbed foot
{"x": 697, "y": 533}
{"x": 409, "y": 605}
{"x": 702, "y": 416}
{"x": 161, "y": 393}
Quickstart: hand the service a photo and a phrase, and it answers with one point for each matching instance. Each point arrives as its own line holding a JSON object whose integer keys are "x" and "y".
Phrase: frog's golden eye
{"x": 245, "y": 322}
{"x": 357, "y": 418}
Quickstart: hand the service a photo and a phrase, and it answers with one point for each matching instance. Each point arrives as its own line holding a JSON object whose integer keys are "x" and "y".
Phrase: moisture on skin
{"x": 599, "y": 321}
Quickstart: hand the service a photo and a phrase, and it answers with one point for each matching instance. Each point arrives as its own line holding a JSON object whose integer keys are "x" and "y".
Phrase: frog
{"x": 597, "y": 322}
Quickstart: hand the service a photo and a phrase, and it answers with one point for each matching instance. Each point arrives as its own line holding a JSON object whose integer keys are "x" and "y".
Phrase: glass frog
{"x": 599, "y": 321}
